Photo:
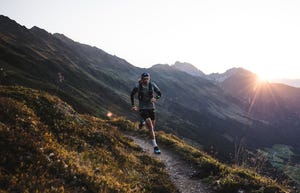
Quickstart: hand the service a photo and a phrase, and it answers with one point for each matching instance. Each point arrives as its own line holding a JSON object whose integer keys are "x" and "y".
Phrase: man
{"x": 145, "y": 89}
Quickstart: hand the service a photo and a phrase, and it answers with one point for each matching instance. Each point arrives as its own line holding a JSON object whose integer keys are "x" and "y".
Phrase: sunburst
{"x": 261, "y": 86}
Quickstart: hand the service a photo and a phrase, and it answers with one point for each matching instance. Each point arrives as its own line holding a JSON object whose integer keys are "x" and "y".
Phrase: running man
{"x": 145, "y": 89}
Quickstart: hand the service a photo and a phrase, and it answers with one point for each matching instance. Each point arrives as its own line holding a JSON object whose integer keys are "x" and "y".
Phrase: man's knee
{"x": 148, "y": 120}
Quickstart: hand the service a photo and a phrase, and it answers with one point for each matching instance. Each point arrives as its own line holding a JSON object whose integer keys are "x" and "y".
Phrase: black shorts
{"x": 147, "y": 113}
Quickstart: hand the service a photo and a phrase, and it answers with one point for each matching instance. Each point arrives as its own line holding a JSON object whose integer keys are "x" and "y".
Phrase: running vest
{"x": 150, "y": 91}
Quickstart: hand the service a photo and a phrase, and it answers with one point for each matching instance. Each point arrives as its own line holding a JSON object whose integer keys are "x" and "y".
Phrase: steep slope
{"x": 78, "y": 73}
{"x": 46, "y": 146}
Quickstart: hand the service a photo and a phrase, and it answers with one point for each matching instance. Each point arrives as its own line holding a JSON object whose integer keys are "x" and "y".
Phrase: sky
{"x": 213, "y": 35}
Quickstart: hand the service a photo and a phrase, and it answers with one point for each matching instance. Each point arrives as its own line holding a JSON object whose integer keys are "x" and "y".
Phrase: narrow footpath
{"x": 180, "y": 171}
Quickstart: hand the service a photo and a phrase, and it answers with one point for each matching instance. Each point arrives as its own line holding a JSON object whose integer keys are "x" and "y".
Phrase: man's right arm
{"x": 133, "y": 92}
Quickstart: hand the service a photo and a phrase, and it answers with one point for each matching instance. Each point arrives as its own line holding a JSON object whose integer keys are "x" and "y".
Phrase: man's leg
{"x": 153, "y": 123}
{"x": 150, "y": 127}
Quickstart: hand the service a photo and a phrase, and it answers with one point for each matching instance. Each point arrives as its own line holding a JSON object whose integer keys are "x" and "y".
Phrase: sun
{"x": 261, "y": 78}
{"x": 264, "y": 77}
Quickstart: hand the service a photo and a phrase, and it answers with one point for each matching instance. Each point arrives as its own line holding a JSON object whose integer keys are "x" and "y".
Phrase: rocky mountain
{"x": 218, "y": 78}
{"x": 276, "y": 104}
{"x": 95, "y": 82}
{"x": 188, "y": 68}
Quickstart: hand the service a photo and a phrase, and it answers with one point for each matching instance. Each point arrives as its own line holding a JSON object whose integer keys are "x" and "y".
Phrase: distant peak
{"x": 38, "y": 30}
{"x": 8, "y": 25}
{"x": 238, "y": 70}
{"x": 4, "y": 18}
{"x": 6, "y": 21}
{"x": 161, "y": 66}
{"x": 235, "y": 71}
{"x": 188, "y": 68}
{"x": 182, "y": 63}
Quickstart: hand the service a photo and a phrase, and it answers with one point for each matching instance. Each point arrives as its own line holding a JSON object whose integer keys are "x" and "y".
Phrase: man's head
{"x": 145, "y": 78}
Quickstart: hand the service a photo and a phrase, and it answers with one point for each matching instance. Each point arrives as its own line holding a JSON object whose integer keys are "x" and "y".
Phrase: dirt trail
{"x": 179, "y": 170}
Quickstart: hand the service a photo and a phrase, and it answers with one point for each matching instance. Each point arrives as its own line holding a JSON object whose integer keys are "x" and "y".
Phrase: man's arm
{"x": 157, "y": 91}
{"x": 133, "y": 92}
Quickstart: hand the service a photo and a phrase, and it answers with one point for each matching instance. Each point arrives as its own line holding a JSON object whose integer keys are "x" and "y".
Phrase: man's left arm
{"x": 157, "y": 91}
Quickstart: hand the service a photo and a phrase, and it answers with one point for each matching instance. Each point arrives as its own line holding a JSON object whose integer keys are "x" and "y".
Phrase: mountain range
{"x": 217, "y": 111}
{"x": 290, "y": 82}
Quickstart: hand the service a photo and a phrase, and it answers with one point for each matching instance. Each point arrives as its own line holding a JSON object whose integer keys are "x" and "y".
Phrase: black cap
{"x": 145, "y": 74}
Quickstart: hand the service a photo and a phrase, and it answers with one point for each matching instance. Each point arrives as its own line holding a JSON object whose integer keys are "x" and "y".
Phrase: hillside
{"x": 49, "y": 147}
{"x": 46, "y": 146}
{"x": 76, "y": 72}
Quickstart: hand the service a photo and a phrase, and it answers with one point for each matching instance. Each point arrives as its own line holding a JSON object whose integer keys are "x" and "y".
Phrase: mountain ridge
{"x": 290, "y": 82}
{"x": 221, "y": 77}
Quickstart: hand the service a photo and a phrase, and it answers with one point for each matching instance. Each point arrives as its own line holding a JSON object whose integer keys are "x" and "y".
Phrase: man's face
{"x": 146, "y": 80}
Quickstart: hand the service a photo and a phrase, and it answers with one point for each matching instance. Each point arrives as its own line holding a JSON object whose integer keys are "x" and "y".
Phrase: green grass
{"x": 221, "y": 177}
{"x": 279, "y": 156}
{"x": 46, "y": 146}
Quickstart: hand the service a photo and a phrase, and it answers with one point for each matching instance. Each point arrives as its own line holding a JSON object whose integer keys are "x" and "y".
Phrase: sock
{"x": 154, "y": 143}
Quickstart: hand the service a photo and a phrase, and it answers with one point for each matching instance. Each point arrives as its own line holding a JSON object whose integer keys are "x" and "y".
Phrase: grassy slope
{"x": 47, "y": 147}
{"x": 280, "y": 156}
{"x": 221, "y": 177}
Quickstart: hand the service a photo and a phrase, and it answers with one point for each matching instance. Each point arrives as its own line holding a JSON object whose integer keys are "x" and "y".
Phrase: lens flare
{"x": 109, "y": 114}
